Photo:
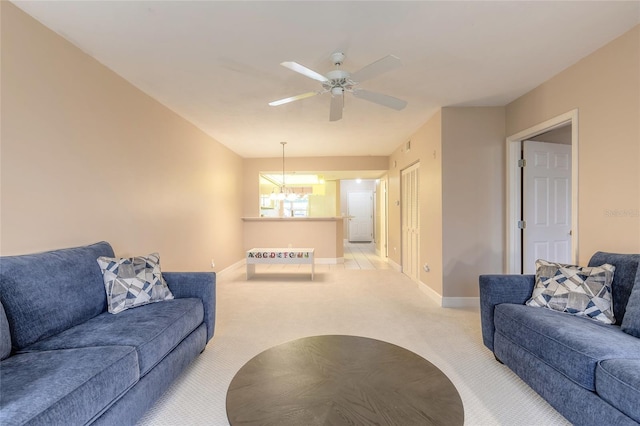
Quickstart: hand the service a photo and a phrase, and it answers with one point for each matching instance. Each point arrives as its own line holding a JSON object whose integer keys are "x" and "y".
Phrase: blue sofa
{"x": 66, "y": 361}
{"x": 587, "y": 370}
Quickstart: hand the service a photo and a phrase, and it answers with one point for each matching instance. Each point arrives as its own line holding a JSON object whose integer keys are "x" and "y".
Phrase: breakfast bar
{"x": 323, "y": 234}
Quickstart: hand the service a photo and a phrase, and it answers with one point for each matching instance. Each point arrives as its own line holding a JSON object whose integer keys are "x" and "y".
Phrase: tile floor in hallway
{"x": 362, "y": 256}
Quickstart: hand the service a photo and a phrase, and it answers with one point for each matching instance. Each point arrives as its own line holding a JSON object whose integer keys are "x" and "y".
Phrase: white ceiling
{"x": 216, "y": 63}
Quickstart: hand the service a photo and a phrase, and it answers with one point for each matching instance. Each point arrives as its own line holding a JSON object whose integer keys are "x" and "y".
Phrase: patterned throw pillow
{"x": 133, "y": 281}
{"x": 577, "y": 290}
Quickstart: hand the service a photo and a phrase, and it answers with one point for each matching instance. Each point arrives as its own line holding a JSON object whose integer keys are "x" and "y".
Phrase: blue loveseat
{"x": 587, "y": 370}
{"x": 66, "y": 361}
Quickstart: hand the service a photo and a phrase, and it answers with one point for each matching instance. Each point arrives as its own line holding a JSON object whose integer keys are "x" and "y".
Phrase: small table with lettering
{"x": 290, "y": 256}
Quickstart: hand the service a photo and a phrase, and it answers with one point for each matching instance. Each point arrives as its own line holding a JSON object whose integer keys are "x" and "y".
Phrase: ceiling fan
{"x": 339, "y": 81}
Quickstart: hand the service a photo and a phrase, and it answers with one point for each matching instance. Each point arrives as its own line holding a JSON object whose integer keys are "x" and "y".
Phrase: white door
{"x": 546, "y": 203}
{"x": 410, "y": 222}
{"x": 360, "y": 210}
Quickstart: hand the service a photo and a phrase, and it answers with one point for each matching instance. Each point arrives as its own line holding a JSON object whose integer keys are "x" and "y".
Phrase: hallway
{"x": 361, "y": 256}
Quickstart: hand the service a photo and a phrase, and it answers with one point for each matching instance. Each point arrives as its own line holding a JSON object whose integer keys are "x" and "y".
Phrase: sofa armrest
{"x": 497, "y": 289}
{"x": 201, "y": 285}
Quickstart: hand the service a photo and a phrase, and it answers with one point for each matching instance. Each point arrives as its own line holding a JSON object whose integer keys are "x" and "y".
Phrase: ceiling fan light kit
{"x": 339, "y": 81}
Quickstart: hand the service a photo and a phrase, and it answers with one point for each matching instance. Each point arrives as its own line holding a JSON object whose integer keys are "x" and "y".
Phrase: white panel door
{"x": 546, "y": 203}
{"x": 360, "y": 208}
{"x": 410, "y": 222}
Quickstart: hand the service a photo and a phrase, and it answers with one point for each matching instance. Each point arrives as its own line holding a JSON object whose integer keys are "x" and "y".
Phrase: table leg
{"x": 251, "y": 270}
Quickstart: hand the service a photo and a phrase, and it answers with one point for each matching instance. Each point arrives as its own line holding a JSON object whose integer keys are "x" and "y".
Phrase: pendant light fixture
{"x": 283, "y": 193}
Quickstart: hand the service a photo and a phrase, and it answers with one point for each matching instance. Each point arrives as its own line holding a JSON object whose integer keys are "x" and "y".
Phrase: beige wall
{"x": 605, "y": 88}
{"x": 461, "y": 180}
{"x": 426, "y": 148}
{"x": 473, "y": 226}
{"x": 253, "y": 166}
{"x": 88, "y": 157}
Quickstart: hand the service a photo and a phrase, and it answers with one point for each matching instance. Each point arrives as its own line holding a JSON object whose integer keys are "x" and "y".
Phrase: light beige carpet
{"x": 382, "y": 304}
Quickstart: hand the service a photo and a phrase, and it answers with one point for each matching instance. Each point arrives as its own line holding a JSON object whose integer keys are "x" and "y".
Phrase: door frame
{"x": 384, "y": 222}
{"x": 513, "y": 253}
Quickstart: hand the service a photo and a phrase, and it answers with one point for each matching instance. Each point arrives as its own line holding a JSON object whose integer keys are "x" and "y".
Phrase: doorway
{"x": 384, "y": 225}
{"x": 522, "y": 247}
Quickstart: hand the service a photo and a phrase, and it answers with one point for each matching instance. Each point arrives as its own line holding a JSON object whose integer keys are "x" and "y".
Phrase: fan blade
{"x": 294, "y": 66}
{"x": 293, "y": 98}
{"x": 379, "y": 98}
{"x": 337, "y": 104}
{"x": 378, "y": 67}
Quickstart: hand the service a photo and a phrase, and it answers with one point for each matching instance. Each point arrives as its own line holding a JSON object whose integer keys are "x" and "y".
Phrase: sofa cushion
{"x": 153, "y": 329}
{"x": 34, "y": 287}
{"x": 631, "y": 322}
{"x": 576, "y": 290}
{"x": 133, "y": 281}
{"x": 572, "y": 345}
{"x": 5, "y": 335}
{"x": 627, "y": 274}
{"x": 64, "y": 387}
{"x": 618, "y": 383}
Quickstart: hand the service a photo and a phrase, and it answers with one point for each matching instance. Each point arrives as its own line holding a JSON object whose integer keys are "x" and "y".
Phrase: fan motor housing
{"x": 339, "y": 78}
{"x": 338, "y": 75}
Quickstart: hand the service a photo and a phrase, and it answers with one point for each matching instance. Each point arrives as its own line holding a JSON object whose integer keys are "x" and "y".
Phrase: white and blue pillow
{"x": 134, "y": 281}
{"x": 577, "y": 290}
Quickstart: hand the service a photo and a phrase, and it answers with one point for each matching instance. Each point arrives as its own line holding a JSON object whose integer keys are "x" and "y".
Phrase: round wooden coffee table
{"x": 341, "y": 380}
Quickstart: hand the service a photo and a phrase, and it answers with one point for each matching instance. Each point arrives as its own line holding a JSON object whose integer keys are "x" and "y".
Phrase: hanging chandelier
{"x": 284, "y": 193}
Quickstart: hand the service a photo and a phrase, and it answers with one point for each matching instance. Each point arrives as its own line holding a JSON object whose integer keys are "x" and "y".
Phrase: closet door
{"x": 410, "y": 221}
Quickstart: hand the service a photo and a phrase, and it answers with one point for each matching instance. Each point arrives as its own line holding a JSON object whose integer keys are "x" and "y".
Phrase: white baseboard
{"x": 433, "y": 295}
{"x": 449, "y": 302}
{"x": 460, "y": 302}
{"x": 232, "y": 267}
{"x": 394, "y": 265}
